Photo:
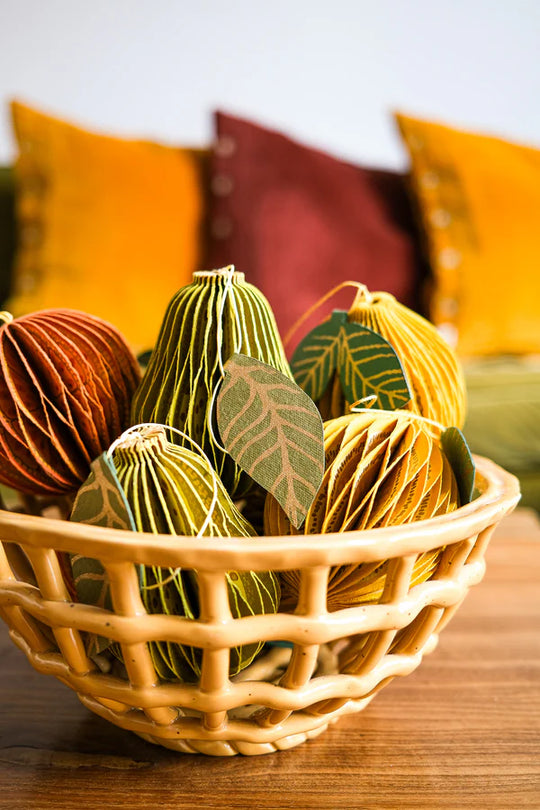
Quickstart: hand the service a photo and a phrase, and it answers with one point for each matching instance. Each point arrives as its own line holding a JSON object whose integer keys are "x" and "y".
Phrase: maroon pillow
{"x": 298, "y": 221}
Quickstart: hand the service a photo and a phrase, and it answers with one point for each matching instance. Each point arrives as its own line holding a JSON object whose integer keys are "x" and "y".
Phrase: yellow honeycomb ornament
{"x": 382, "y": 468}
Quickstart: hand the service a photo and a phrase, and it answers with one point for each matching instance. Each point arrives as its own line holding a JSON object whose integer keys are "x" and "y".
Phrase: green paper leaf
{"x": 457, "y": 452}
{"x": 100, "y": 502}
{"x": 366, "y": 363}
{"x": 316, "y": 356}
{"x": 273, "y": 431}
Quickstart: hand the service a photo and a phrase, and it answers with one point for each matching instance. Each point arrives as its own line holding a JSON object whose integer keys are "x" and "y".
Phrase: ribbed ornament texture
{"x": 172, "y": 490}
{"x": 382, "y": 469}
{"x": 66, "y": 384}
{"x": 207, "y": 321}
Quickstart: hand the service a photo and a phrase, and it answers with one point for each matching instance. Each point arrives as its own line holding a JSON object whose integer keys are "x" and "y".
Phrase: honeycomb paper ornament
{"x": 430, "y": 365}
{"x": 208, "y": 321}
{"x": 65, "y": 392}
{"x": 382, "y": 469}
{"x": 164, "y": 488}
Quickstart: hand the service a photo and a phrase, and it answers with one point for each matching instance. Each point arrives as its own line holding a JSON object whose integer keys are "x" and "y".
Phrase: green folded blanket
{"x": 503, "y": 421}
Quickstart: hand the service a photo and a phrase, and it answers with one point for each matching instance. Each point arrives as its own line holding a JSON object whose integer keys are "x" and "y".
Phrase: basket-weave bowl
{"x": 334, "y": 662}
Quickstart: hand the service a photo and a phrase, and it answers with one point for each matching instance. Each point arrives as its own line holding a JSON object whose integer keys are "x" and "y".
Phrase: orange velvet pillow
{"x": 106, "y": 225}
{"x": 479, "y": 201}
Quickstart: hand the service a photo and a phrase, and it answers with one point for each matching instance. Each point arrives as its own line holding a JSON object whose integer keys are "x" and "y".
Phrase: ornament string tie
{"x": 362, "y": 291}
{"x": 228, "y": 292}
{"x": 368, "y": 402}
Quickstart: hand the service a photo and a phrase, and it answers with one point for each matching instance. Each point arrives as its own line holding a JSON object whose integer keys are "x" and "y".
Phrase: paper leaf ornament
{"x": 457, "y": 452}
{"x": 316, "y": 356}
{"x": 366, "y": 363}
{"x": 368, "y": 366}
{"x": 100, "y": 502}
{"x": 273, "y": 431}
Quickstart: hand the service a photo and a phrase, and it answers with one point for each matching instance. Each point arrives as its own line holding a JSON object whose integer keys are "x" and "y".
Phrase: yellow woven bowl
{"x": 334, "y": 662}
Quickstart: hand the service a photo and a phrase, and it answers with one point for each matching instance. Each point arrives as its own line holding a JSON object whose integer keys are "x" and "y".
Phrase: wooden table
{"x": 463, "y": 731}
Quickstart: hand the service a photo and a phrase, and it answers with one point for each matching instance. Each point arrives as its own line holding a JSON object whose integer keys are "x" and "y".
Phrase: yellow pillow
{"x": 479, "y": 201}
{"x": 106, "y": 225}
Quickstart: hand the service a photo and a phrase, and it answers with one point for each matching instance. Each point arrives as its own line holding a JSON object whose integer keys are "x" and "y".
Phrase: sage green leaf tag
{"x": 457, "y": 452}
{"x": 100, "y": 502}
{"x": 367, "y": 364}
{"x": 316, "y": 356}
{"x": 273, "y": 431}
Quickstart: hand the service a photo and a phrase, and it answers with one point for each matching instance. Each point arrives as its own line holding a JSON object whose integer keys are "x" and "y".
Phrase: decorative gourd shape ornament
{"x": 66, "y": 384}
{"x": 214, "y": 317}
{"x": 164, "y": 488}
{"x": 431, "y": 367}
{"x": 382, "y": 469}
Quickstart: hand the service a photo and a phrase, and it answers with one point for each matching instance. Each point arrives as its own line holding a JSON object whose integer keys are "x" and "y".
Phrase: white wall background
{"x": 328, "y": 72}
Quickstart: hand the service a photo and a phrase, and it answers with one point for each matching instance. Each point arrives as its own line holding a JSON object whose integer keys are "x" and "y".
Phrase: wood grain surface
{"x": 462, "y": 731}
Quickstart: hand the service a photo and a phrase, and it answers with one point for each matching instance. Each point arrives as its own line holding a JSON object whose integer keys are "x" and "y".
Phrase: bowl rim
{"x": 499, "y": 494}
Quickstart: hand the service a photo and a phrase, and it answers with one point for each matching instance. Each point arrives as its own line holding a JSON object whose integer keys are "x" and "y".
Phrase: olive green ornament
{"x": 170, "y": 489}
{"x": 207, "y": 321}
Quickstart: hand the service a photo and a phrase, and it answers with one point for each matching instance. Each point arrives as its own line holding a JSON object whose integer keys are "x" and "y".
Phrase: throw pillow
{"x": 479, "y": 202}
{"x": 298, "y": 221}
{"x": 107, "y": 225}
